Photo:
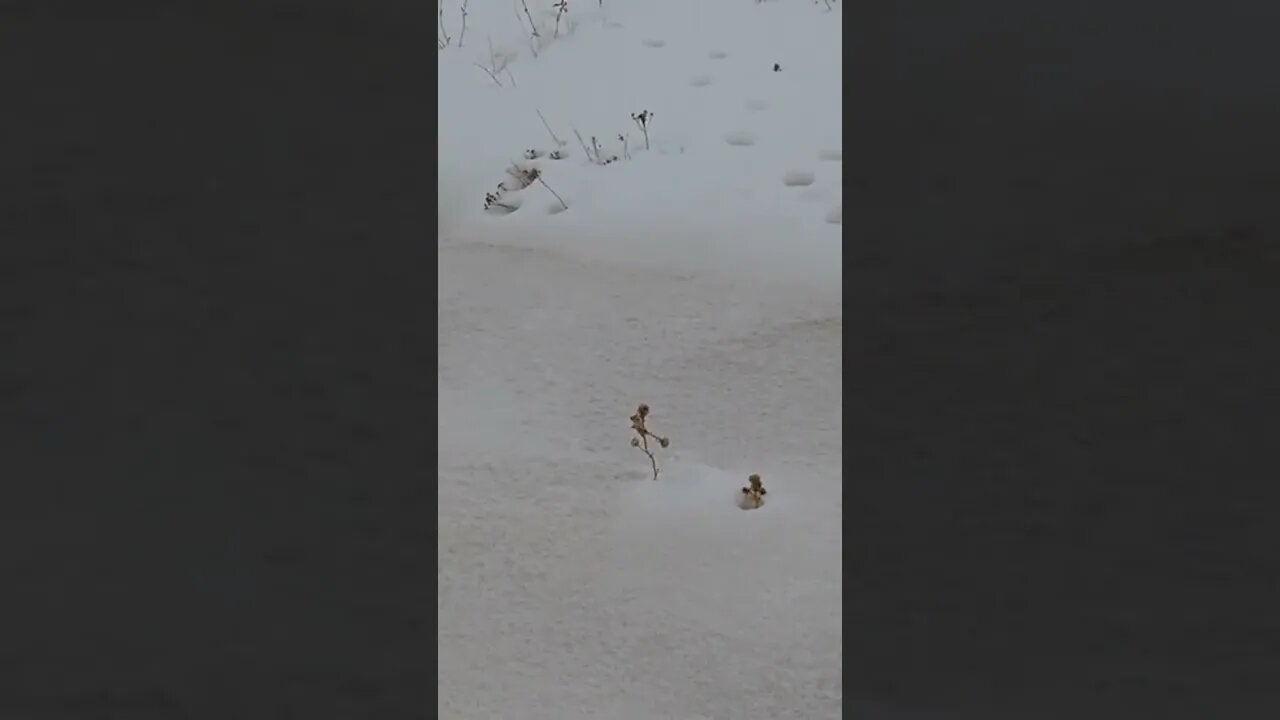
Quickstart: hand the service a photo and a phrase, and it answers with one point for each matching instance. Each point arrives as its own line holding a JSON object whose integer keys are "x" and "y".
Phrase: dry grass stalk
{"x": 755, "y": 491}
{"x": 641, "y": 440}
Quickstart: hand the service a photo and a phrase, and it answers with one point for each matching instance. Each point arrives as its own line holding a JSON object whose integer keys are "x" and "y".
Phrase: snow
{"x": 700, "y": 276}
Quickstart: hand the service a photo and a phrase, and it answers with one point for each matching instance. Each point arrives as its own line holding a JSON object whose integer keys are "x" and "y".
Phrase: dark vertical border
{"x": 1061, "y": 368}
{"x": 217, "y": 306}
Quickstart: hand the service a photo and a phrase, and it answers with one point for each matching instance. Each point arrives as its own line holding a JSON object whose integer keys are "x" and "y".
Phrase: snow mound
{"x": 687, "y": 494}
{"x": 694, "y": 510}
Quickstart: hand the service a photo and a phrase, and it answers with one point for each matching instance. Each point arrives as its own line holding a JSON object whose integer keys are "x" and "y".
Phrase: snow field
{"x": 701, "y": 277}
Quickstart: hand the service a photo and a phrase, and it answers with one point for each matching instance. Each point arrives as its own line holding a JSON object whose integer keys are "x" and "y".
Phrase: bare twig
{"x": 643, "y": 118}
{"x": 532, "y": 25}
{"x": 538, "y": 177}
{"x": 643, "y": 435}
{"x": 533, "y": 45}
{"x": 585, "y": 150}
{"x": 464, "y": 23}
{"x": 556, "y": 140}
{"x": 493, "y": 68}
{"x": 510, "y": 77}
{"x": 443, "y": 32}
{"x": 652, "y": 462}
{"x": 490, "y": 74}
{"x": 561, "y": 8}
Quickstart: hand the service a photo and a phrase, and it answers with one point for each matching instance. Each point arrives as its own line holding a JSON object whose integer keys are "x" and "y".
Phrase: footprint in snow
{"x": 717, "y": 55}
{"x": 831, "y": 155}
{"x": 700, "y": 80}
{"x": 798, "y": 178}
{"x": 740, "y": 138}
{"x": 654, "y": 43}
{"x": 756, "y": 105}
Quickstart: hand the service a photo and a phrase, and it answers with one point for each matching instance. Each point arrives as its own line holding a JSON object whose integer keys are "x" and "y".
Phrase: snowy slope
{"x": 700, "y": 276}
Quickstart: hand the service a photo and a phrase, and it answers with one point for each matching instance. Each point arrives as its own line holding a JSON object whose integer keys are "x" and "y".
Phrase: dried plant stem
{"x": 644, "y": 445}
{"x": 533, "y": 45}
{"x": 642, "y": 441}
{"x": 547, "y": 125}
{"x": 443, "y": 32}
{"x": 755, "y": 491}
{"x": 490, "y": 74}
{"x": 585, "y": 150}
{"x": 553, "y": 192}
{"x": 493, "y": 68}
{"x": 463, "y": 34}
{"x": 532, "y": 25}
{"x": 561, "y": 8}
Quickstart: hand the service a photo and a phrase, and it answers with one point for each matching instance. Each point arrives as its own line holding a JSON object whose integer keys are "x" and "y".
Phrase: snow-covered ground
{"x": 701, "y": 276}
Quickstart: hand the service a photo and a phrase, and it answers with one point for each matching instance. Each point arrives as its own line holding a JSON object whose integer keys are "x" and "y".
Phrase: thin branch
{"x": 493, "y": 68}
{"x": 463, "y": 34}
{"x": 443, "y": 32}
{"x": 532, "y": 25}
{"x": 585, "y": 150}
{"x": 563, "y": 205}
{"x": 642, "y": 442}
{"x": 533, "y": 45}
{"x": 561, "y": 8}
{"x": 489, "y": 72}
{"x": 556, "y": 140}
{"x": 653, "y": 462}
